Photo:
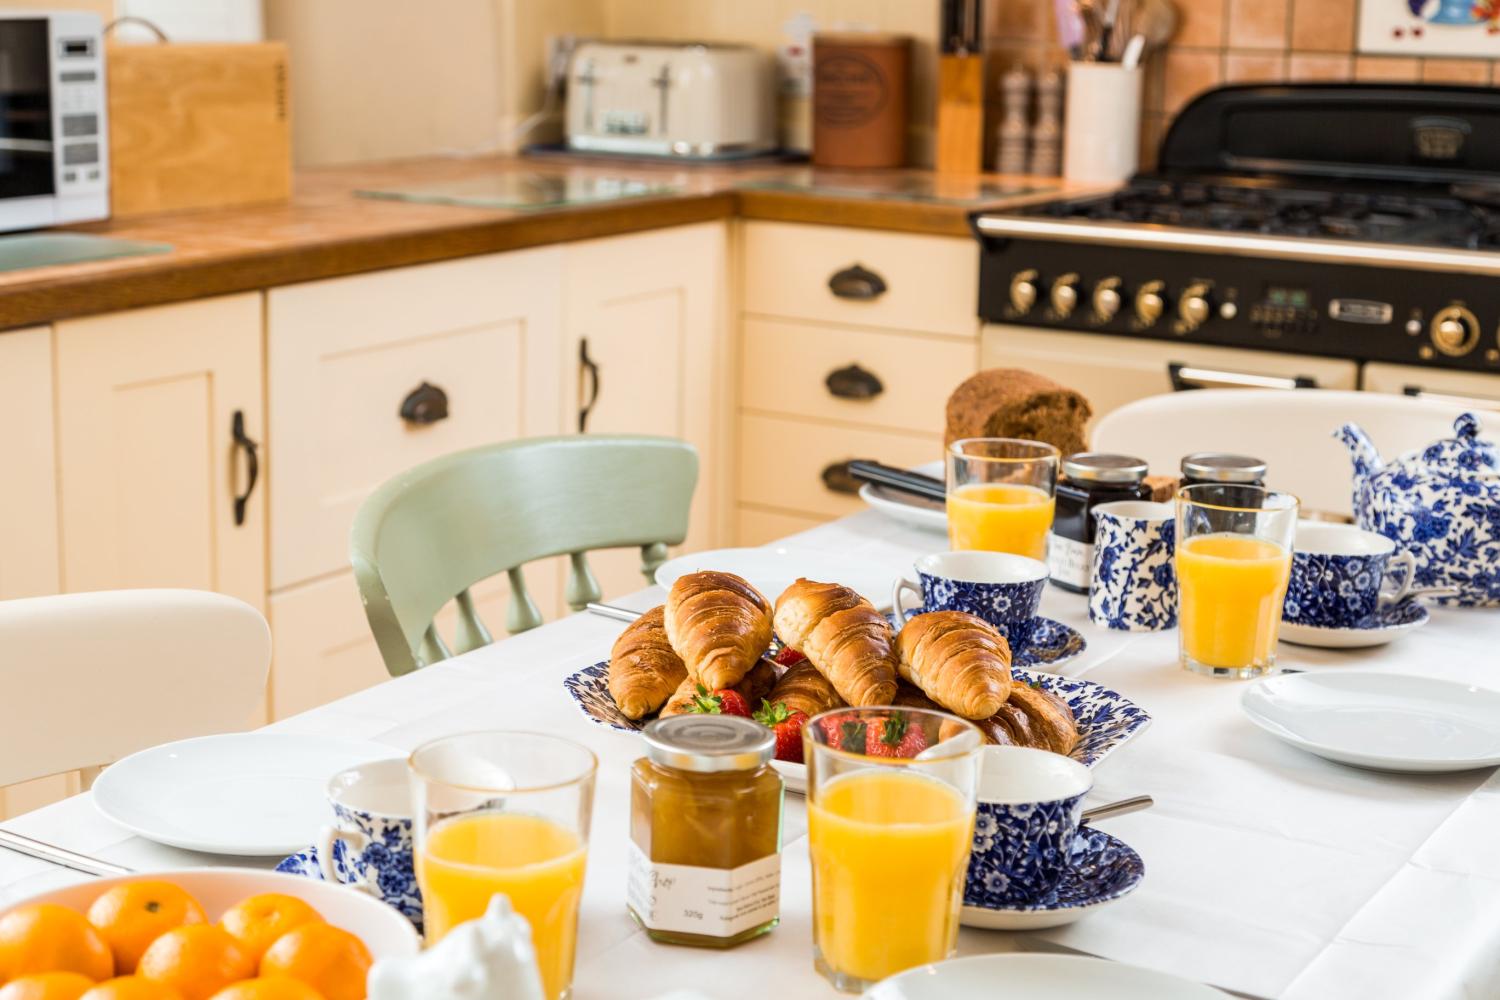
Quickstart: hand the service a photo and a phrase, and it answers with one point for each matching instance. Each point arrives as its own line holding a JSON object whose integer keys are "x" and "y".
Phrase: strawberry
{"x": 788, "y": 657}
{"x": 894, "y": 736}
{"x": 787, "y": 725}
{"x": 724, "y": 701}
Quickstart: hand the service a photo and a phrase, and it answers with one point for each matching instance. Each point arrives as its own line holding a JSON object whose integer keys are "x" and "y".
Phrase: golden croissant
{"x": 843, "y": 636}
{"x": 719, "y": 624}
{"x": 958, "y": 660}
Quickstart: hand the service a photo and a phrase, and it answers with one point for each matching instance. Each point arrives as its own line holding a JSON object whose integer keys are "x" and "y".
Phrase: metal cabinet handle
{"x": 1189, "y": 377}
{"x": 426, "y": 404}
{"x": 855, "y": 282}
{"x": 853, "y": 382}
{"x": 588, "y": 368}
{"x": 1467, "y": 402}
{"x": 242, "y": 442}
{"x": 837, "y": 478}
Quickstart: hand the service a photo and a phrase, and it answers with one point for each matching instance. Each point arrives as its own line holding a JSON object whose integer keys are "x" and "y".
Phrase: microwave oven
{"x": 54, "y": 139}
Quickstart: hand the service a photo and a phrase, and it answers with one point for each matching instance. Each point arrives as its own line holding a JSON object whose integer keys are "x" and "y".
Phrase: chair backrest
{"x": 86, "y": 679}
{"x": 1291, "y": 429}
{"x": 428, "y": 535}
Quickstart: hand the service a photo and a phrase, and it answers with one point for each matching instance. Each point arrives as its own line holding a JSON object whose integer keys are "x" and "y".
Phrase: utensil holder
{"x": 1102, "y": 131}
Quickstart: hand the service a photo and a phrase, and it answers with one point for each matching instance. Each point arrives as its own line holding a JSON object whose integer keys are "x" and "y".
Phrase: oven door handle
{"x": 1467, "y": 402}
{"x": 1192, "y": 377}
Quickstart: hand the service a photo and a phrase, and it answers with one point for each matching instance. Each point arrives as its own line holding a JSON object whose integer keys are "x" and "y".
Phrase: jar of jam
{"x": 1088, "y": 479}
{"x": 1214, "y": 467}
{"x": 705, "y": 831}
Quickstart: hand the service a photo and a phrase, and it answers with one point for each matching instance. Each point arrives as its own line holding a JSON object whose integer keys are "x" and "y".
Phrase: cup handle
{"x": 1399, "y": 559}
{"x": 902, "y": 585}
{"x": 356, "y": 841}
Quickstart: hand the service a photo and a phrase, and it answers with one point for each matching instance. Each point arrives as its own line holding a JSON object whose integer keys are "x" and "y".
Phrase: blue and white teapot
{"x": 1442, "y": 504}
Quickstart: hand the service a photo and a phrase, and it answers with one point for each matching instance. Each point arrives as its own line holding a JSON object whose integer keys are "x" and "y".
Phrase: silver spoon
{"x": 1111, "y": 809}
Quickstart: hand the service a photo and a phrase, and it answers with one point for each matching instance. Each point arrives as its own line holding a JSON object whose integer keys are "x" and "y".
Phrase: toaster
{"x": 664, "y": 99}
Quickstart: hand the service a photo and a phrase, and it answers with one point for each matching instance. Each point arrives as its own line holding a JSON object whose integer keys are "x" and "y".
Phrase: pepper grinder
{"x": 1046, "y": 136}
{"x": 1010, "y": 158}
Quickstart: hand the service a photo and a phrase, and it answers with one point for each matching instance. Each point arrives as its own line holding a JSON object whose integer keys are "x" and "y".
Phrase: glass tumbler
{"x": 1000, "y": 495}
{"x": 1234, "y": 558}
{"x": 505, "y": 812}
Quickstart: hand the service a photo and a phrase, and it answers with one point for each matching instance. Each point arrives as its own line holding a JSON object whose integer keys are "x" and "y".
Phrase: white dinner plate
{"x": 919, "y": 512}
{"x": 773, "y": 568}
{"x": 245, "y": 794}
{"x": 1037, "y": 977}
{"x": 1386, "y": 722}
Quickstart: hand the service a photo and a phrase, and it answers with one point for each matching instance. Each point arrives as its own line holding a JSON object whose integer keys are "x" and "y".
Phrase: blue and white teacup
{"x": 1030, "y": 805}
{"x": 1342, "y": 574}
{"x": 1134, "y": 583}
{"x": 370, "y": 846}
{"x": 1003, "y": 589}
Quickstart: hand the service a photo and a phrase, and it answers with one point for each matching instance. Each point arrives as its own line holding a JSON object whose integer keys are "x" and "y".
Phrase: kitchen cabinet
{"x": 647, "y": 343}
{"x": 1471, "y": 390}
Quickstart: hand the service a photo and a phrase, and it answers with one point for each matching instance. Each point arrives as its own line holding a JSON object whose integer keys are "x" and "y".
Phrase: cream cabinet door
{"x": 158, "y": 410}
{"x": 28, "y": 456}
{"x": 1471, "y": 390}
{"x": 646, "y": 350}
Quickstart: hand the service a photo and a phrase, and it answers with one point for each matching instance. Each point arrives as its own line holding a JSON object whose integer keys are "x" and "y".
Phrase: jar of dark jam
{"x": 1088, "y": 479}
{"x": 1213, "y": 467}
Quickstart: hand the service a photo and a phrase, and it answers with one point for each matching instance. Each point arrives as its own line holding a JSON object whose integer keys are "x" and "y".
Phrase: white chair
{"x": 86, "y": 679}
{"x": 1291, "y": 429}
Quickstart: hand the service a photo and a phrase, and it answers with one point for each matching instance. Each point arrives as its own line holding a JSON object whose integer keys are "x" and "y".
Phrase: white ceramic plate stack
{"x": 774, "y": 568}
{"x": 915, "y": 511}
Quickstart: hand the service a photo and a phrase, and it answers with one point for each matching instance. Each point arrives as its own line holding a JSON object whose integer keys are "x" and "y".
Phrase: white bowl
{"x": 382, "y": 928}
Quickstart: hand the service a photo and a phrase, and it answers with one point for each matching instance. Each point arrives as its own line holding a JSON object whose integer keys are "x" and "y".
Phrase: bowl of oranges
{"x": 198, "y": 934}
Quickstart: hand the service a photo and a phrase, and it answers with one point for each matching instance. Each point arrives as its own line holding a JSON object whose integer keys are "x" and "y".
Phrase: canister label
{"x": 714, "y": 902}
{"x": 1070, "y": 561}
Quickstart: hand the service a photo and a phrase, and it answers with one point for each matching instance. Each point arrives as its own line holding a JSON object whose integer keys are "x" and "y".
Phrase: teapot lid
{"x": 1465, "y": 453}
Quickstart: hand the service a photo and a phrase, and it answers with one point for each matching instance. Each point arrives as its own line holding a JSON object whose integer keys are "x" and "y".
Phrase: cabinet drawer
{"x": 757, "y": 527}
{"x": 345, "y": 356}
{"x": 782, "y": 461}
{"x": 930, "y": 282}
{"x": 1471, "y": 390}
{"x": 787, "y": 368}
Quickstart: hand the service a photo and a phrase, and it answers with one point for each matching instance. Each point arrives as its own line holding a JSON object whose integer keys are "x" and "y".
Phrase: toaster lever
{"x": 855, "y": 282}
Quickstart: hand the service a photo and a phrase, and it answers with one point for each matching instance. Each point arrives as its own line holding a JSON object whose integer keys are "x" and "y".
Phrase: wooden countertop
{"x": 326, "y": 230}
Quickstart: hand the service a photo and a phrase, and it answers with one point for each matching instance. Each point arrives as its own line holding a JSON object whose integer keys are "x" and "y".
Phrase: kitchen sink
{"x": 526, "y": 191}
{"x": 49, "y": 249}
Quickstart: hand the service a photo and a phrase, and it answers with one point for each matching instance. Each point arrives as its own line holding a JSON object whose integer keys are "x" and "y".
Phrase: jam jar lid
{"x": 709, "y": 743}
{"x": 1098, "y": 467}
{"x": 1216, "y": 467}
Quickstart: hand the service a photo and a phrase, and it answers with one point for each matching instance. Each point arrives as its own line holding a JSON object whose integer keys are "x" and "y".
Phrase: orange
{"x": 258, "y": 921}
{"x": 46, "y": 937}
{"x": 197, "y": 961}
{"x": 132, "y": 915}
{"x": 327, "y": 958}
{"x": 47, "y": 986}
{"x": 131, "y": 988}
{"x": 269, "y": 988}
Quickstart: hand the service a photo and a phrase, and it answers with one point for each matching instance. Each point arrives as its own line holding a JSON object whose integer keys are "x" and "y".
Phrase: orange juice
{"x": 534, "y": 861}
{"x": 1000, "y": 517}
{"x": 1231, "y": 588}
{"x": 889, "y": 854}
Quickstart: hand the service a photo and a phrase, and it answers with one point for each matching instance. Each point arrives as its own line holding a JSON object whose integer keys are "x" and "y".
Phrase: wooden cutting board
{"x": 197, "y": 126}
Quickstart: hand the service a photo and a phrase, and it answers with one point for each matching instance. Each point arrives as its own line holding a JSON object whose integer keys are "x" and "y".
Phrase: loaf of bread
{"x": 1013, "y": 403}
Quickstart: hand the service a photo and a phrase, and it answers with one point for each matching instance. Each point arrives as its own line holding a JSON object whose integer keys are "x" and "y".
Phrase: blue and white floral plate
{"x": 1385, "y": 624}
{"x": 1052, "y": 643}
{"x": 1101, "y": 870}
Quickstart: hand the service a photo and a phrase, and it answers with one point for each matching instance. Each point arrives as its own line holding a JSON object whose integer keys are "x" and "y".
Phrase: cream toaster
{"x": 664, "y": 99}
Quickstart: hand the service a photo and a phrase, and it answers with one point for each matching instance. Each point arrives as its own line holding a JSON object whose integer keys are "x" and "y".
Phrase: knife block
{"x": 960, "y": 115}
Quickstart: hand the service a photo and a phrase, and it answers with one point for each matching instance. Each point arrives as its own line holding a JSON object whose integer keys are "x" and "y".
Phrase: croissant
{"x": 803, "y": 689}
{"x": 752, "y": 687}
{"x": 843, "y": 636}
{"x": 719, "y": 625}
{"x": 643, "y": 668}
{"x": 1033, "y": 717}
{"x": 911, "y": 696}
{"x": 959, "y": 660}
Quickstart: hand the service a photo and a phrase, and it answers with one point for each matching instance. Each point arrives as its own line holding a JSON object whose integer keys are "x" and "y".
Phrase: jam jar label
{"x": 1070, "y": 561}
{"x": 714, "y": 902}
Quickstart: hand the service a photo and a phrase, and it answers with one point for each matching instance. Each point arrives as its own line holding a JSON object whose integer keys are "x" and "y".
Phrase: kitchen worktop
{"x": 327, "y": 229}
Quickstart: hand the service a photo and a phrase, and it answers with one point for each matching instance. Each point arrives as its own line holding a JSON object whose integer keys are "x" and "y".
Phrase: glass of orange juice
{"x": 1000, "y": 494}
{"x": 889, "y": 838}
{"x": 505, "y": 812}
{"x": 1234, "y": 557}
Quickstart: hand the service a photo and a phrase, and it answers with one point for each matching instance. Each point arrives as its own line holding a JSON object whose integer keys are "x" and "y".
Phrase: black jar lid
{"x": 1216, "y": 467}
{"x": 1098, "y": 467}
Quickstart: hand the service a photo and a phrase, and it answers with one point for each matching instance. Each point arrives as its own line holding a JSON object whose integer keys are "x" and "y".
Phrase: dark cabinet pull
{"x": 589, "y": 369}
{"x": 838, "y": 479}
{"x": 242, "y": 442}
{"x": 426, "y": 404}
{"x": 853, "y": 382}
{"x": 855, "y": 282}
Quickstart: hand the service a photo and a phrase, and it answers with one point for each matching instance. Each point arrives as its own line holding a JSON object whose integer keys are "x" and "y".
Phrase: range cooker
{"x": 1358, "y": 222}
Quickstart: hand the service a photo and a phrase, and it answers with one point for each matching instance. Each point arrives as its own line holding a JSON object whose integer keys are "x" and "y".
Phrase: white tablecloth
{"x": 1268, "y": 871}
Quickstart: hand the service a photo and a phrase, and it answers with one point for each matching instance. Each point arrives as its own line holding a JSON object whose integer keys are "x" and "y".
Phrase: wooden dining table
{"x": 1269, "y": 872}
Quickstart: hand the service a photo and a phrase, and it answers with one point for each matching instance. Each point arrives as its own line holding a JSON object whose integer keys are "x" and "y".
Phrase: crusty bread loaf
{"x": 1013, "y": 403}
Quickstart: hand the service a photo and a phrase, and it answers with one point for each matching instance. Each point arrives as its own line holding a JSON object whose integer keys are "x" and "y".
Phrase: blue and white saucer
{"x": 397, "y": 884}
{"x": 1052, "y": 643}
{"x": 1377, "y": 629}
{"x": 1101, "y": 870}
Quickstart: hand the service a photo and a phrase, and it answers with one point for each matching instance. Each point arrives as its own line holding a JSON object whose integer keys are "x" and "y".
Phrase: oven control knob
{"x": 1194, "y": 307}
{"x": 1065, "y": 295}
{"x": 1149, "y": 302}
{"x": 1023, "y": 291}
{"x": 1454, "y": 331}
{"x": 1106, "y": 300}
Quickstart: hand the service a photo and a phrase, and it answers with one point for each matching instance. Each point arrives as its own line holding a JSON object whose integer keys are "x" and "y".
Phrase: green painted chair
{"x": 428, "y": 535}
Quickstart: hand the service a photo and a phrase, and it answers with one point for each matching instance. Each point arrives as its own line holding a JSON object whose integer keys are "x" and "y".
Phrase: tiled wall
{"x": 1232, "y": 41}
